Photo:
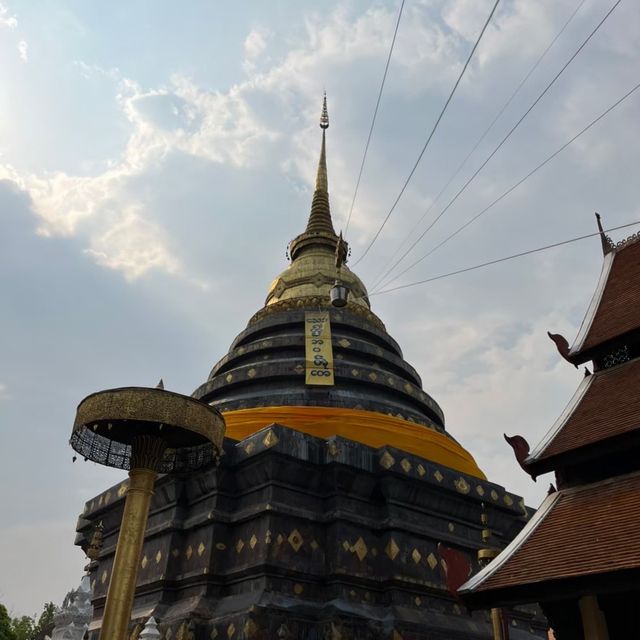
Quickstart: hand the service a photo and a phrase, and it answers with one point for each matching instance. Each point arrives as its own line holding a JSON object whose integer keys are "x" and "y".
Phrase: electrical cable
{"x": 433, "y": 130}
{"x": 511, "y": 131}
{"x": 504, "y": 259}
{"x": 454, "y": 175}
{"x": 375, "y": 114}
{"x": 517, "y": 184}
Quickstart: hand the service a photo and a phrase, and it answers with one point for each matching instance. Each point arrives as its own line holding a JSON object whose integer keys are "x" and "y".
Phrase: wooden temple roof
{"x": 615, "y": 306}
{"x": 577, "y": 533}
{"x": 606, "y": 405}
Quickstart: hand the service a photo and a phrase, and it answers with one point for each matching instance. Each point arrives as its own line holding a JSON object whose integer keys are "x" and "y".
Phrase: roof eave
{"x": 575, "y": 352}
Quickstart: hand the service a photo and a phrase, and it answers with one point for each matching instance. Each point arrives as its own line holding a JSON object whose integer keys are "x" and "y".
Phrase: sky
{"x": 156, "y": 158}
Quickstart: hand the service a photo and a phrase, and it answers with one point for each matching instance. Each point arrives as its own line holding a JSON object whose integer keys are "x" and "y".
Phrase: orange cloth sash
{"x": 367, "y": 427}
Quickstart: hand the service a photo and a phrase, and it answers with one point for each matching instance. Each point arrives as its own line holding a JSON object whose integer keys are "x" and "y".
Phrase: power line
{"x": 433, "y": 130}
{"x": 517, "y": 184}
{"x": 515, "y": 126}
{"x": 375, "y": 114}
{"x": 454, "y": 175}
{"x": 504, "y": 259}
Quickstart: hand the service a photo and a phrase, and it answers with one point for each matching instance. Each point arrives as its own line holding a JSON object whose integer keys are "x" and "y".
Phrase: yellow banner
{"x": 318, "y": 350}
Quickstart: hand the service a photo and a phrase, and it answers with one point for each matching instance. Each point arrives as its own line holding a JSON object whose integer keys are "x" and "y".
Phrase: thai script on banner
{"x": 318, "y": 350}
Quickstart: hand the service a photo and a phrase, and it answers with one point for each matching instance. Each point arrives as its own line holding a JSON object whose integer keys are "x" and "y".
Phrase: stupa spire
{"x": 320, "y": 217}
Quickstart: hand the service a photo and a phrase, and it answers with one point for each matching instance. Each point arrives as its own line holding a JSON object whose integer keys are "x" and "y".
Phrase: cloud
{"x": 23, "y": 50}
{"x": 255, "y": 45}
{"x": 133, "y": 245}
{"x": 7, "y": 19}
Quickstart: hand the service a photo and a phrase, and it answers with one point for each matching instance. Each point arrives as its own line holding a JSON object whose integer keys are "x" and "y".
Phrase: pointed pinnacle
{"x": 324, "y": 118}
{"x": 160, "y": 384}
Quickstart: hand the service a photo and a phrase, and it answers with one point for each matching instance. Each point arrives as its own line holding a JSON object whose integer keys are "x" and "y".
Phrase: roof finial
{"x": 607, "y": 243}
{"x": 324, "y": 118}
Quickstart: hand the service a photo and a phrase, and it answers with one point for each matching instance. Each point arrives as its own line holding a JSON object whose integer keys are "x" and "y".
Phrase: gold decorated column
{"x": 145, "y": 431}
{"x": 147, "y": 452}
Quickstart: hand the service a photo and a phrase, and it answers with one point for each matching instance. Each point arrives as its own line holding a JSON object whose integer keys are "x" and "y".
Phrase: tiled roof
{"x": 578, "y": 532}
{"x": 615, "y": 308}
{"x": 607, "y": 404}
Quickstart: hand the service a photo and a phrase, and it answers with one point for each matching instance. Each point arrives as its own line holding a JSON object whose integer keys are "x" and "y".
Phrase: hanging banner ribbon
{"x": 318, "y": 350}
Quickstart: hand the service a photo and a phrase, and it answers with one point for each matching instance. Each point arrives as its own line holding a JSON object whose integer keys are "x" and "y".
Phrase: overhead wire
{"x": 516, "y": 185}
{"x": 508, "y": 135}
{"x": 454, "y": 175}
{"x": 375, "y": 115}
{"x": 503, "y": 259}
{"x": 433, "y": 130}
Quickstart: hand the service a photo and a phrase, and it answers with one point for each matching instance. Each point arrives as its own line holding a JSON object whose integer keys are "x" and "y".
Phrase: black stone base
{"x": 297, "y": 537}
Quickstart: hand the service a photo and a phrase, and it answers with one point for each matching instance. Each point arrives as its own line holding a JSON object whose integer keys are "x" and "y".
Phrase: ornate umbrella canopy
{"x": 108, "y": 422}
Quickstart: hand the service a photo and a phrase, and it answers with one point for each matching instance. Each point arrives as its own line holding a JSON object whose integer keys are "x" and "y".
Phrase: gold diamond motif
{"x": 355, "y": 373}
{"x": 221, "y": 546}
{"x": 175, "y": 553}
{"x": 508, "y": 500}
{"x": 406, "y": 465}
{"x": 418, "y": 601}
{"x": 450, "y": 527}
{"x": 480, "y": 490}
{"x": 270, "y": 440}
{"x": 494, "y": 494}
{"x": 361, "y": 549}
{"x": 280, "y": 538}
{"x": 372, "y": 376}
{"x": 298, "y": 588}
{"x": 421, "y": 470}
{"x": 344, "y": 343}
{"x": 462, "y": 485}
{"x": 104, "y": 576}
{"x": 295, "y": 540}
{"x": 253, "y": 542}
{"x": 416, "y": 556}
{"x": 250, "y": 628}
{"x": 229, "y": 377}
{"x": 214, "y": 634}
{"x": 314, "y": 545}
{"x": 387, "y": 460}
{"x": 189, "y": 552}
{"x": 251, "y": 373}
{"x": 231, "y": 629}
{"x": 144, "y": 562}
{"x": 334, "y": 450}
{"x": 122, "y": 489}
{"x": 392, "y": 549}
{"x": 239, "y": 545}
{"x": 158, "y": 557}
{"x": 432, "y": 561}
{"x": 299, "y": 368}
{"x": 345, "y": 545}
{"x": 201, "y": 548}
{"x": 250, "y": 446}
{"x": 408, "y": 388}
{"x": 267, "y": 537}
{"x": 241, "y": 350}
{"x": 438, "y": 476}
{"x": 523, "y": 507}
